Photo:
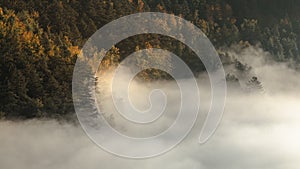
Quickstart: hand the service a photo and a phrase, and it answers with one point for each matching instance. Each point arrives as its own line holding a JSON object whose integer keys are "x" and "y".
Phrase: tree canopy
{"x": 40, "y": 40}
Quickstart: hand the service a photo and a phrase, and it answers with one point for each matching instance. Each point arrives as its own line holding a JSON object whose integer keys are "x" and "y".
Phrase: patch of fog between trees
{"x": 257, "y": 130}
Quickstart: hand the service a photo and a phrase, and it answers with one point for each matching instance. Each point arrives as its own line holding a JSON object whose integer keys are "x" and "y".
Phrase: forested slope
{"x": 40, "y": 40}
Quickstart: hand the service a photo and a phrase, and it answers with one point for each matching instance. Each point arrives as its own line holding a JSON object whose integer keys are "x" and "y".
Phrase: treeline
{"x": 40, "y": 40}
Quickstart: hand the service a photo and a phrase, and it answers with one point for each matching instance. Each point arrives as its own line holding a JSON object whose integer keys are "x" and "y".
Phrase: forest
{"x": 40, "y": 41}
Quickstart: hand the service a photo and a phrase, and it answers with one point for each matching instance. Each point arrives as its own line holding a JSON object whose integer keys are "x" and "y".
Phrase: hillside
{"x": 40, "y": 40}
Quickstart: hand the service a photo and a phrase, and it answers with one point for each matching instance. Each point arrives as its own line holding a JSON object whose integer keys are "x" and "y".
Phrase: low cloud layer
{"x": 257, "y": 131}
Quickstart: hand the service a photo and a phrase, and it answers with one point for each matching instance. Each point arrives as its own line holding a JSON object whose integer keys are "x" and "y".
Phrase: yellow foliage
{"x": 140, "y": 5}
{"x": 27, "y": 36}
{"x": 74, "y": 50}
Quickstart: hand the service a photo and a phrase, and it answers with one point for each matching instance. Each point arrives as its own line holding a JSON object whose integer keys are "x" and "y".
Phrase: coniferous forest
{"x": 40, "y": 41}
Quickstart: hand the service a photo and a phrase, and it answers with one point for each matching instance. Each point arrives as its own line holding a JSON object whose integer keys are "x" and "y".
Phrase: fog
{"x": 257, "y": 130}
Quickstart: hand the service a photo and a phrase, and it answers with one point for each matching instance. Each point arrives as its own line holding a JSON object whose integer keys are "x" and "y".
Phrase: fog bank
{"x": 257, "y": 130}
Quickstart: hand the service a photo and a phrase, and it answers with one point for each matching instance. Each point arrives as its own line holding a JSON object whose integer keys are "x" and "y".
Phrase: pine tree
{"x": 254, "y": 86}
